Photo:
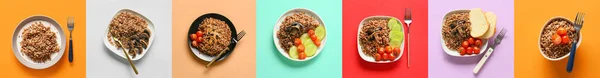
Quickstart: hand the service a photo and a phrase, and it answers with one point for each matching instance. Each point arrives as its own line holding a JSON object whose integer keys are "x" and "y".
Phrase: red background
{"x": 355, "y": 10}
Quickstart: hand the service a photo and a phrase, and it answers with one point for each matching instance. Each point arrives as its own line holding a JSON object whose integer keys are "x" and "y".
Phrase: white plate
{"x": 288, "y": 13}
{"x": 368, "y": 58}
{"x": 120, "y": 51}
{"x": 454, "y": 52}
{"x": 54, "y": 27}
{"x": 539, "y": 37}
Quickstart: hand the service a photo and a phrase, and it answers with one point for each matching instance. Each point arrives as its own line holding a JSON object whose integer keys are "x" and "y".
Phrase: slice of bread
{"x": 491, "y": 19}
{"x": 479, "y": 24}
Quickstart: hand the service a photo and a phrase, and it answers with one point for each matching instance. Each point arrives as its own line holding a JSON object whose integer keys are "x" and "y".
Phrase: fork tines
{"x": 501, "y": 34}
{"x": 579, "y": 18}
{"x": 241, "y": 34}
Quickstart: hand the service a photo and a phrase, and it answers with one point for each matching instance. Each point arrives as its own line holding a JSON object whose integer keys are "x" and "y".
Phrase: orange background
{"x": 531, "y": 15}
{"x": 240, "y": 64}
{"x": 14, "y": 11}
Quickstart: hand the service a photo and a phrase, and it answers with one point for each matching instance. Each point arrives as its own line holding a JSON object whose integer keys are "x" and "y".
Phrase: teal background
{"x": 271, "y": 64}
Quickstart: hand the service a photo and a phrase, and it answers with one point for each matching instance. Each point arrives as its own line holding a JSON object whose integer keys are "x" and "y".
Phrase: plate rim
{"x": 454, "y": 52}
{"x": 280, "y": 20}
{"x": 116, "y": 51}
{"x": 371, "y": 59}
{"x": 60, "y": 33}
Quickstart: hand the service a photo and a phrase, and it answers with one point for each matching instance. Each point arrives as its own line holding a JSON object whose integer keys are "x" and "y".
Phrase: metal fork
{"x": 578, "y": 25}
{"x": 220, "y": 55}
{"x": 497, "y": 41}
{"x": 71, "y": 26}
{"x": 408, "y": 20}
{"x": 126, "y": 55}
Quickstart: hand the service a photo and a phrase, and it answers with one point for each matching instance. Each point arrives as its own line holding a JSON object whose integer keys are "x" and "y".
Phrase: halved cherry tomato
{"x": 385, "y": 56}
{"x": 193, "y": 37}
{"x": 317, "y": 43}
{"x": 302, "y": 55}
{"x": 377, "y": 57}
{"x": 561, "y": 31}
{"x": 556, "y": 40}
{"x": 478, "y": 42}
{"x": 397, "y": 51}
{"x": 462, "y": 50}
{"x": 199, "y": 33}
{"x": 311, "y": 32}
{"x": 194, "y": 43}
{"x": 465, "y": 44}
{"x": 476, "y": 50}
{"x": 313, "y": 38}
{"x": 297, "y": 41}
{"x": 471, "y": 40}
{"x": 469, "y": 50}
{"x": 381, "y": 50}
{"x": 565, "y": 39}
{"x": 300, "y": 48}
{"x": 388, "y": 49}
{"x": 392, "y": 56}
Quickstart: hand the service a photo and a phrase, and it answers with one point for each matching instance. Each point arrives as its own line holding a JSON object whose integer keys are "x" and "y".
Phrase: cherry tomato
{"x": 199, "y": 40}
{"x": 381, "y": 50}
{"x": 311, "y": 32}
{"x": 471, "y": 40}
{"x": 317, "y": 43}
{"x": 313, "y": 38}
{"x": 386, "y": 56}
{"x": 465, "y": 44}
{"x": 199, "y": 33}
{"x": 392, "y": 57}
{"x": 194, "y": 43}
{"x": 193, "y": 37}
{"x": 565, "y": 39}
{"x": 302, "y": 55}
{"x": 300, "y": 48}
{"x": 561, "y": 31}
{"x": 462, "y": 50}
{"x": 388, "y": 49}
{"x": 478, "y": 42}
{"x": 377, "y": 57}
{"x": 476, "y": 50}
{"x": 556, "y": 40}
{"x": 297, "y": 41}
{"x": 397, "y": 51}
{"x": 469, "y": 50}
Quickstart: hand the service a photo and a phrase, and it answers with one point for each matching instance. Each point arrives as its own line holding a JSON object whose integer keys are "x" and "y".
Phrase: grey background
{"x": 101, "y": 63}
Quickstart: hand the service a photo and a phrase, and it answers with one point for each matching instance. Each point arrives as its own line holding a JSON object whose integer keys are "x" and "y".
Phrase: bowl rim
{"x": 539, "y": 37}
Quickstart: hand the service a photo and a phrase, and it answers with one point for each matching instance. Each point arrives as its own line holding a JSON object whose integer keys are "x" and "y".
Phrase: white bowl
{"x": 369, "y": 58}
{"x": 54, "y": 27}
{"x": 540, "y": 37}
{"x": 288, "y": 13}
{"x": 454, "y": 52}
{"x": 119, "y": 51}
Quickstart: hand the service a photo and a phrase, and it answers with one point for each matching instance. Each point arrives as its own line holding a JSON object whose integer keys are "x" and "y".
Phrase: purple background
{"x": 501, "y": 62}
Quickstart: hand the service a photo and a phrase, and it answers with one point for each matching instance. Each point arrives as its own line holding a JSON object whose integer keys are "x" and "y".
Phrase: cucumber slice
{"x": 396, "y": 38}
{"x": 393, "y": 24}
{"x": 304, "y": 37}
{"x": 309, "y": 47}
{"x": 293, "y": 53}
{"x": 320, "y": 32}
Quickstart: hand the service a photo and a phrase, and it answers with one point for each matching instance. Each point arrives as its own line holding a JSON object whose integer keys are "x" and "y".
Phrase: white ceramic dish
{"x": 119, "y": 51}
{"x": 368, "y": 58}
{"x": 540, "y": 37}
{"x": 288, "y": 13}
{"x": 454, "y": 52}
{"x": 54, "y": 27}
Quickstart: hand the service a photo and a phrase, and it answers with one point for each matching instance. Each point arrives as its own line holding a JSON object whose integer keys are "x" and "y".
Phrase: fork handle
{"x": 483, "y": 60}
{"x": 572, "y": 57}
{"x": 70, "y": 50}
